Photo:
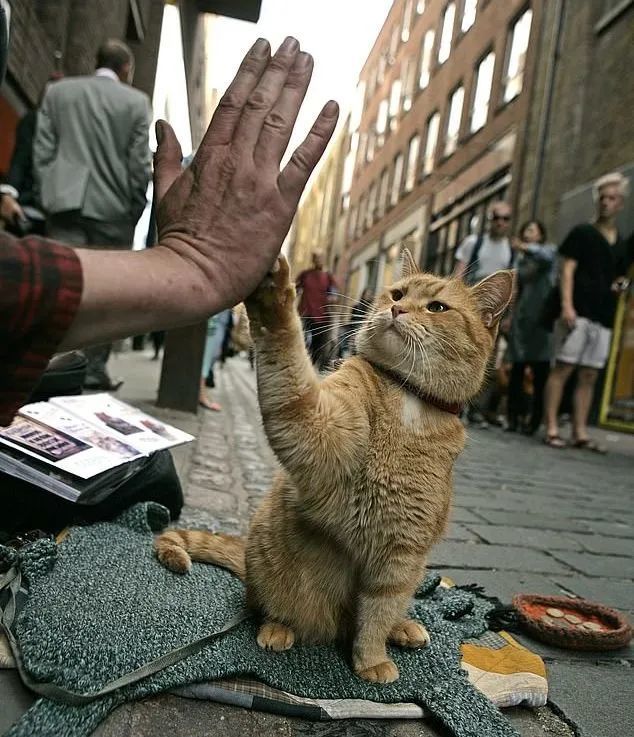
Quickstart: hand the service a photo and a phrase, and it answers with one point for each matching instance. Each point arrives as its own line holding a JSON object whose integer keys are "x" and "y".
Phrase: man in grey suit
{"x": 92, "y": 163}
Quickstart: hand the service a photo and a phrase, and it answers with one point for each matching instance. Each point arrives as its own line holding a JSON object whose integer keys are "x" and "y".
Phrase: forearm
{"x": 130, "y": 293}
{"x": 566, "y": 283}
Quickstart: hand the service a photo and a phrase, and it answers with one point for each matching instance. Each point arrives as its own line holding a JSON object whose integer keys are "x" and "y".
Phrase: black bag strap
{"x": 473, "y": 259}
{"x": 11, "y": 583}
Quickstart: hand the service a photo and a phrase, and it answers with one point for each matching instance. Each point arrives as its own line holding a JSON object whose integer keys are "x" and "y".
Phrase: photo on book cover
{"x": 51, "y": 444}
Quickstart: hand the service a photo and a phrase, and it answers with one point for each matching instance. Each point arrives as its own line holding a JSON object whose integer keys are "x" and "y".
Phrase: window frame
{"x": 395, "y": 192}
{"x": 429, "y": 33}
{"x": 411, "y": 166}
{"x": 454, "y": 92}
{"x": 434, "y": 154}
{"x": 510, "y": 35}
{"x": 449, "y": 5}
{"x": 474, "y": 92}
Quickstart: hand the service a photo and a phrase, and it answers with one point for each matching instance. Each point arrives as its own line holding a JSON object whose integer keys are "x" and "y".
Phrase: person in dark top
{"x": 594, "y": 260}
{"x": 316, "y": 287}
{"x": 529, "y": 344}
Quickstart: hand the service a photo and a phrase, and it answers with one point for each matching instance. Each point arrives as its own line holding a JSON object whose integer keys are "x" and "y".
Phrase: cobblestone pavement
{"x": 526, "y": 519}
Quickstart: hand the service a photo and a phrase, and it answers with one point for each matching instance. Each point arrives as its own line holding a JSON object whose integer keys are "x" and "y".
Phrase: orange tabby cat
{"x": 338, "y": 546}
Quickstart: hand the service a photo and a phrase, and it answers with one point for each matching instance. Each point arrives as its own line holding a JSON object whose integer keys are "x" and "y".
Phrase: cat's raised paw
{"x": 409, "y": 633}
{"x": 385, "y": 672}
{"x": 274, "y": 299}
{"x": 275, "y": 636}
{"x": 173, "y": 557}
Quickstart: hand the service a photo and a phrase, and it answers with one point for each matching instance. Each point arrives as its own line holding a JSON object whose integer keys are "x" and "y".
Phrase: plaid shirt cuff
{"x": 40, "y": 291}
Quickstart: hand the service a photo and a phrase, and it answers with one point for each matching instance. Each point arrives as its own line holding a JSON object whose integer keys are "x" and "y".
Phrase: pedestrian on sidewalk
{"x": 529, "y": 343}
{"x": 594, "y": 262}
{"x": 92, "y": 164}
{"x": 477, "y": 257}
{"x": 316, "y": 287}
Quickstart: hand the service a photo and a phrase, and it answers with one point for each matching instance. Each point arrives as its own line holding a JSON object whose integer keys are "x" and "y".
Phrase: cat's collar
{"x": 454, "y": 408}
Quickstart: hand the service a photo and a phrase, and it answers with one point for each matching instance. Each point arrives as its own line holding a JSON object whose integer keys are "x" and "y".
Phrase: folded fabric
{"x": 100, "y": 605}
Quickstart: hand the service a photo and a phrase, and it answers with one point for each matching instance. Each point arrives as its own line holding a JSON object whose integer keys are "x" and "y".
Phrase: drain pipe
{"x": 544, "y": 123}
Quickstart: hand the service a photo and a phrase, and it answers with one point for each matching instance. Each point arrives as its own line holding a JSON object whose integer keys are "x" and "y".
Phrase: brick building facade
{"x": 443, "y": 100}
{"x": 64, "y": 35}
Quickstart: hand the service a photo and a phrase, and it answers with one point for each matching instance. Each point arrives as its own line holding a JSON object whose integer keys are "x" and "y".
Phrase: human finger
{"x": 167, "y": 159}
{"x": 223, "y": 122}
{"x": 278, "y": 124}
{"x": 265, "y": 95}
{"x": 293, "y": 177}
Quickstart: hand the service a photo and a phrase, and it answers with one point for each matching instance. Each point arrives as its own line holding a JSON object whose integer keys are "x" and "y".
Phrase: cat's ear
{"x": 408, "y": 265}
{"x": 493, "y": 295}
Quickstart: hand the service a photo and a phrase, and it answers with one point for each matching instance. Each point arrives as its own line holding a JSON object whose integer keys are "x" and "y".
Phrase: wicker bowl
{"x": 578, "y": 624}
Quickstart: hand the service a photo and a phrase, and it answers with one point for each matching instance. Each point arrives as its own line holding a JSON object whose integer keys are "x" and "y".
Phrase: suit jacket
{"x": 91, "y": 150}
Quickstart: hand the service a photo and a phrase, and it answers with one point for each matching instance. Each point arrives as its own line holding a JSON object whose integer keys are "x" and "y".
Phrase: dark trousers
{"x": 317, "y": 334}
{"x": 76, "y": 230}
{"x": 518, "y": 402}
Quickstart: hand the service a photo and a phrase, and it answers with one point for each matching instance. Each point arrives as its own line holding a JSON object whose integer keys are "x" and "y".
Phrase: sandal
{"x": 589, "y": 444}
{"x": 555, "y": 441}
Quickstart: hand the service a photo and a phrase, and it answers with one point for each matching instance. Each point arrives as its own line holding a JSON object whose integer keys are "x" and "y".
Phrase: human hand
{"x": 620, "y": 284}
{"x": 10, "y": 210}
{"x": 569, "y": 316}
{"x": 517, "y": 244}
{"x": 227, "y": 214}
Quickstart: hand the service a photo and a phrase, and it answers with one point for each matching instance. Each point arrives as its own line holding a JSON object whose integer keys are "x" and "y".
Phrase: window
{"x": 444, "y": 47}
{"x": 409, "y": 79}
{"x": 394, "y": 39}
{"x": 395, "y": 103}
{"x": 381, "y": 122}
{"x": 397, "y": 179}
{"x": 352, "y": 223}
{"x": 380, "y": 70}
{"x": 371, "y": 206}
{"x": 363, "y": 145}
{"x": 369, "y": 154}
{"x": 420, "y": 7}
{"x": 412, "y": 160}
{"x": 469, "y": 10}
{"x": 382, "y": 194}
{"x": 426, "y": 56}
{"x": 407, "y": 20}
{"x": 363, "y": 206}
{"x": 453, "y": 121}
{"x": 482, "y": 94}
{"x": 357, "y": 106}
{"x": 516, "y": 55}
{"x": 433, "y": 127}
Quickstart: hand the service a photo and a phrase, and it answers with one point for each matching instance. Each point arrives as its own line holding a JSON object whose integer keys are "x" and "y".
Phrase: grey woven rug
{"x": 101, "y": 605}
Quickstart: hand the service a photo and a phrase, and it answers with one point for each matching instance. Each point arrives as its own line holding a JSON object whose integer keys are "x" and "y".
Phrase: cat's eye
{"x": 436, "y": 306}
{"x": 397, "y": 294}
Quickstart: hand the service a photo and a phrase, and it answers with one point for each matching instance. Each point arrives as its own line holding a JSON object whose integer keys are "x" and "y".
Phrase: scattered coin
{"x": 557, "y": 613}
{"x": 593, "y": 626}
{"x": 548, "y": 620}
{"x": 573, "y": 618}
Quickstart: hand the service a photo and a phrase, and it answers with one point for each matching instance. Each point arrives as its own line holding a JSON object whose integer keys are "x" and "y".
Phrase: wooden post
{"x": 182, "y": 364}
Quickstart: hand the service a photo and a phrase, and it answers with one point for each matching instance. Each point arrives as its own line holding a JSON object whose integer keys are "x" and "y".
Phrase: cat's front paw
{"x": 385, "y": 672}
{"x": 274, "y": 300}
{"x": 275, "y": 636}
{"x": 409, "y": 633}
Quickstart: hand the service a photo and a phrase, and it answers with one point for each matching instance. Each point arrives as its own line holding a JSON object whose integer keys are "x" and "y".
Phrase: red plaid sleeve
{"x": 40, "y": 291}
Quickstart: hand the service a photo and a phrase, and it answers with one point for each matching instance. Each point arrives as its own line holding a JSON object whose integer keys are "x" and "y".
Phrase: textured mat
{"x": 100, "y": 605}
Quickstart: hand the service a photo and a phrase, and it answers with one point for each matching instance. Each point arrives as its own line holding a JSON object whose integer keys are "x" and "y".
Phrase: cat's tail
{"x": 176, "y": 549}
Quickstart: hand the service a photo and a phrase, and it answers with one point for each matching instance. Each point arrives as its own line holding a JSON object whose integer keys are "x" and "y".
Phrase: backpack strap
{"x": 473, "y": 260}
{"x": 11, "y": 590}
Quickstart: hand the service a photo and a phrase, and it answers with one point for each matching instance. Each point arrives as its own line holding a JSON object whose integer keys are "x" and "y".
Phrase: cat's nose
{"x": 396, "y": 311}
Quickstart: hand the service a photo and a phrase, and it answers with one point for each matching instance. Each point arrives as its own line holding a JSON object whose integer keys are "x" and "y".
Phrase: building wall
{"x": 446, "y": 204}
{"x": 587, "y": 131}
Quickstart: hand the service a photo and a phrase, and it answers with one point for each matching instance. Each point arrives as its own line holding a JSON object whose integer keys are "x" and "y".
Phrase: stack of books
{"x": 82, "y": 447}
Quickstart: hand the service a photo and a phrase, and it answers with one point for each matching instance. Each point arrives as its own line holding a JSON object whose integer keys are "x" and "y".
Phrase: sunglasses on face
{"x": 501, "y": 217}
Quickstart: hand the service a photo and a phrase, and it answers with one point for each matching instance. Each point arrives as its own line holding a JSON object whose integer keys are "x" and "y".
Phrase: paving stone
{"x": 619, "y": 594}
{"x": 598, "y": 700}
{"x": 497, "y": 557}
{"x": 538, "y": 521}
{"x": 605, "y": 545}
{"x": 611, "y": 566}
{"x": 525, "y": 537}
{"x": 460, "y": 514}
{"x": 456, "y": 531}
{"x": 614, "y": 529}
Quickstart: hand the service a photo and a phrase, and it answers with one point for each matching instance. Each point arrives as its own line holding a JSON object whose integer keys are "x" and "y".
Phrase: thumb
{"x": 167, "y": 159}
